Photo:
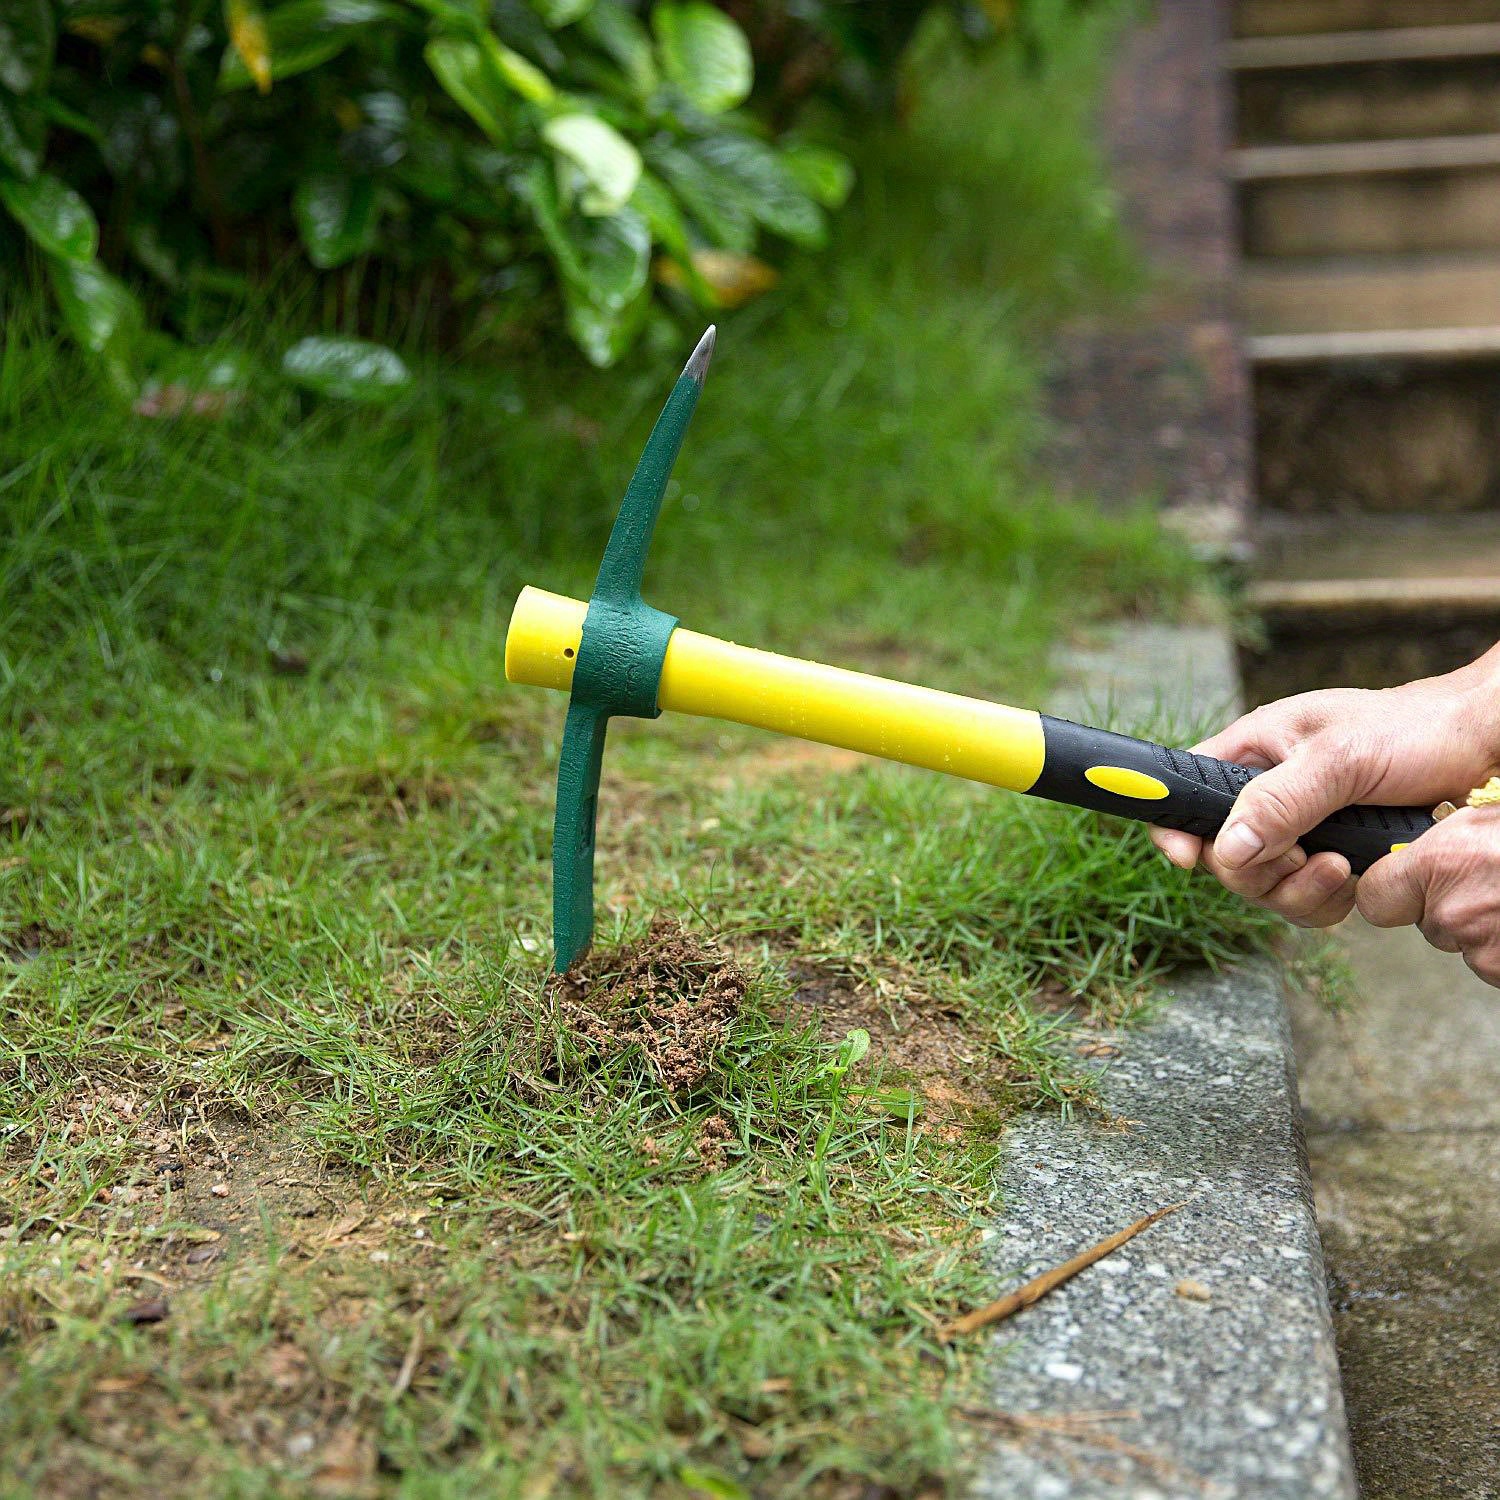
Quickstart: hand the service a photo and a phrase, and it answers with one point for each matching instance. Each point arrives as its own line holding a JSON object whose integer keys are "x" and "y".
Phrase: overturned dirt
{"x": 916, "y": 1039}
{"x": 669, "y": 995}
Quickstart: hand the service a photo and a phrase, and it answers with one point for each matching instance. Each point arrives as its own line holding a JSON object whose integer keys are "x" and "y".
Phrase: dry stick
{"x": 1039, "y": 1286}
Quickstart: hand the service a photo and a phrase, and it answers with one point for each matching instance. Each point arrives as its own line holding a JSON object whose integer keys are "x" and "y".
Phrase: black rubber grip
{"x": 1096, "y": 769}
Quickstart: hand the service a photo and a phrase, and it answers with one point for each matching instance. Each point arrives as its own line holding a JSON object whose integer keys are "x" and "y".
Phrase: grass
{"x": 274, "y": 889}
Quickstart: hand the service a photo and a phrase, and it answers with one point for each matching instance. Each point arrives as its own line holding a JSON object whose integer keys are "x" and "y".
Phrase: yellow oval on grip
{"x": 1124, "y": 782}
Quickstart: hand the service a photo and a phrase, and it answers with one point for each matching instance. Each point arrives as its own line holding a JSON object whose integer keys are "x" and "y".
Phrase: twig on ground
{"x": 409, "y": 1364}
{"x": 1039, "y": 1286}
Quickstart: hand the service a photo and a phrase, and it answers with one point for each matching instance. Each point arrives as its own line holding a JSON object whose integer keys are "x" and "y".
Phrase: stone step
{"x": 1369, "y": 295}
{"x": 1369, "y": 604}
{"x": 1438, "y": 193}
{"x": 1292, "y": 17}
{"x": 1386, "y": 421}
{"x": 1366, "y": 85}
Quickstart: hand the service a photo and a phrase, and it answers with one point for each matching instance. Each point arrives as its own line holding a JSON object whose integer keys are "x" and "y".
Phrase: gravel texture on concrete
{"x": 1208, "y": 1336}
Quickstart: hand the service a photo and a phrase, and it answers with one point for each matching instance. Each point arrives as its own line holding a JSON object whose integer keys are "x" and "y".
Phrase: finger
{"x": 1280, "y": 805}
{"x": 1259, "y": 738}
{"x": 1318, "y": 895}
{"x": 1181, "y": 848}
{"x": 1393, "y": 891}
{"x": 1486, "y": 963}
{"x": 1438, "y": 936}
{"x": 1257, "y": 882}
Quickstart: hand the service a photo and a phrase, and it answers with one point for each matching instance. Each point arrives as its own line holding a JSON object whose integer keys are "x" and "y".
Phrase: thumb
{"x": 1278, "y": 807}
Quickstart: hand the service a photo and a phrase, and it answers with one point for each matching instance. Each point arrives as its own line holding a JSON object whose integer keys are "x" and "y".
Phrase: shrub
{"x": 519, "y": 160}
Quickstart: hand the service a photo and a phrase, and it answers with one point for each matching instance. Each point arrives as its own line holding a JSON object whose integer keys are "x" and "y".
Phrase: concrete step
{"x": 1291, "y": 17}
{"x": 1366, "y": 85}
{"x": 1439, "y": 193}
{"x": 1387, "y": 421}
{"x": 1369, "y": 295}
{"x": 1369, "y": 603}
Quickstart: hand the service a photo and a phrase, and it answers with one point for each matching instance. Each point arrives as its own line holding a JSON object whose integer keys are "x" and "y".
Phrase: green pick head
{"x": 619, "y": 664}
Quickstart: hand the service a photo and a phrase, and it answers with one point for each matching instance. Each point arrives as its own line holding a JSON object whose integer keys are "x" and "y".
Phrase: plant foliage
{"x": 512, "y": 147}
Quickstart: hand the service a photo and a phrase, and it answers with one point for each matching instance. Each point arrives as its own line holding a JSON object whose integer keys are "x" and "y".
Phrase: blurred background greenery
{"x": 480, "y": 172}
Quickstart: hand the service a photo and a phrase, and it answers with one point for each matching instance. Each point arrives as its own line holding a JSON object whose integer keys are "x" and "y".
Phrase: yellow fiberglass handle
{"x": 716, "y": 679}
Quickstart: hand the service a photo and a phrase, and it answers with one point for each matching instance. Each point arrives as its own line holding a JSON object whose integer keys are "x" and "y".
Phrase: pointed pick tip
{"x": 697, "y": 365}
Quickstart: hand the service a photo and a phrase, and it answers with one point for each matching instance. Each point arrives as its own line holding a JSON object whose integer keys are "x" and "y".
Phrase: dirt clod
{"x": 669, "y": 994}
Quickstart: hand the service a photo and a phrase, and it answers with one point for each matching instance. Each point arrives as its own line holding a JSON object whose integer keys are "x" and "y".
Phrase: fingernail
{"x": 1238, "y": 844}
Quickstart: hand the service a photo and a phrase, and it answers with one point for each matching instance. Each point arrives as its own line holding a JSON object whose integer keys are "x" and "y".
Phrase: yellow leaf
{"x": 732, "y": 279}
{"x": 248, "y": 36}
{"x": 103, "y": 31}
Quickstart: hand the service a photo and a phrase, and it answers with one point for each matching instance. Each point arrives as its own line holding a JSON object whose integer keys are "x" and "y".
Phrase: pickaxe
{"x": 618, "y": 655}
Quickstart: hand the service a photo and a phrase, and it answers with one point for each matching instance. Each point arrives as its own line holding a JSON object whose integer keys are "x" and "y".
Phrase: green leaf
{"x": 766, "y": 188}
{"x": 348, "y": 369}
{"x": 561, "y": 12}
{"x": 655, "y": 203}
{"x": 855, "y": 1045}
{"x": 607, "y": 260}
{"x": 705, "y": 54}
{"x": 307, "y": 33}
{"x": 468, "y": 73}
{"x": 900, "y": 1104}
{"x": 20, "y": 141}
{"x": 719, "y": 206}
{"x": 28, "y": 38}
{"x": 825, "y": 176}
{"x": 610, "y": 163}
{"x": 604, "y": 334}
{"x": 102, "y": 315}
{"x": 710, "y": 1484}
{"x": 53, "y": 215}
{"x": 618, "y": 33}
{"x": 524, "y": 77}
{"x": 335, "y": 217}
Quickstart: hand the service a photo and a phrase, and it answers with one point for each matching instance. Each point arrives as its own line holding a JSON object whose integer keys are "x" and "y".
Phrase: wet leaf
{"x": 248, "y": 35}
{"x": 103, "y": 316}
{"x": 604, "y": 333}
{"x": 607, "y": 261}
{"x": 611, "y": 164}
{"x": 335, "y": 216}
{"x": 705, "y": 54}
{"x": 719, "y": 206}
{"x": 28, "y": 38}
{"x": 765, "y": 185}
{"x": 348, "y": 369}
{"x": 55, "y": 218}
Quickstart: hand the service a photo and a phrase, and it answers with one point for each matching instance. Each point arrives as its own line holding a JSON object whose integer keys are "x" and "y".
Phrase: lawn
{"x": 310, "y": 1181}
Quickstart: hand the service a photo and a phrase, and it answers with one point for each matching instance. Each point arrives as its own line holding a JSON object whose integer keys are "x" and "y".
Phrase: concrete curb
{"x": 1234, "y": 1397}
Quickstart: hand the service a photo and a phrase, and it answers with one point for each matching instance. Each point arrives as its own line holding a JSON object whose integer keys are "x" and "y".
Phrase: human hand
{"x": 1447, "y": 884}
{"x": 1413, "y": 745}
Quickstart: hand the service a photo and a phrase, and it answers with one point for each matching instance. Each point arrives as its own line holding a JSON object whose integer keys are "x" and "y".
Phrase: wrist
{"x": 1477, "y": 689}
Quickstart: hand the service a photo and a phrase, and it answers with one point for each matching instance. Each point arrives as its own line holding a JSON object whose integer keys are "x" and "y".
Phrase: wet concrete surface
{"x": 1401, "y": 1104}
